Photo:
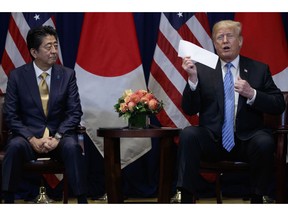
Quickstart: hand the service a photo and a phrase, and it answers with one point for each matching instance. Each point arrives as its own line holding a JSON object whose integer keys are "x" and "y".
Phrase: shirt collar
{"x": 38, "y": 71}
{"x": 235, "y": 63}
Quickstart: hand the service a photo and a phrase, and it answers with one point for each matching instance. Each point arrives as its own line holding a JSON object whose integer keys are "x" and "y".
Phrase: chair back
{"x": 3, "y": 128}
{"x": 278, "y": 121}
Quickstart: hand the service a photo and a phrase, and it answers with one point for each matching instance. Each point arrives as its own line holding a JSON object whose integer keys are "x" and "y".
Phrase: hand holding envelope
{"x": 197, "y": 54}
{"x": 190, "y": 68}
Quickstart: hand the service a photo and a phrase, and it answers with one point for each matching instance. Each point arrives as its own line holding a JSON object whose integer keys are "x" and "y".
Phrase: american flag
{"x": 167, "y": 78}
{"x": 16, "y": 53}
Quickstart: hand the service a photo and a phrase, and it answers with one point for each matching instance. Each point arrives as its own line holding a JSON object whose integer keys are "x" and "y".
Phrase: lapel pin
{"x": 245, "y": 70}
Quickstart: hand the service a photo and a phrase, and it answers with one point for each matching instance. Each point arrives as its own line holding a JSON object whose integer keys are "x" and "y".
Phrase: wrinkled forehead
{"x": 225, "y": 30}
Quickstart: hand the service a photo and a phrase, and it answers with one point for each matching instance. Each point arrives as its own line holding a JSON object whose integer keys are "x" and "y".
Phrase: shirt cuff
{"x": 192, "y": 85}
{"x": 251, "y": 101}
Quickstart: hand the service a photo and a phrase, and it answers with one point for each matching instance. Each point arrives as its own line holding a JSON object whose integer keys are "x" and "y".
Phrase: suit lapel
{"x": 32, "y": 85}
{"x": 244, "y": 74}
{"x": 56, "y": 79}
{"x": 219, "y": 90}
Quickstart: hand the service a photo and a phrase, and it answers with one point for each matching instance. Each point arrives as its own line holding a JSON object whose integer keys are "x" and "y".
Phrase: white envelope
{"x": 197, "y": 54}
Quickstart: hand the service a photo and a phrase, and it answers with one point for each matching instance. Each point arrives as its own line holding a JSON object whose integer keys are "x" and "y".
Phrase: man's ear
{"x": 33, "y": 52}
{"x": 240, "y": 41}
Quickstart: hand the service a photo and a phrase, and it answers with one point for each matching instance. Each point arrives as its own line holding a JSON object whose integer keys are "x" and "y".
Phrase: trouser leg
{"x": 195, "y": 144}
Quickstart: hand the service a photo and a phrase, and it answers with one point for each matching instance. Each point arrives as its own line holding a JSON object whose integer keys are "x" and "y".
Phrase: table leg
{"x": 113, "y": 170}
{"x": 167, "y": 164}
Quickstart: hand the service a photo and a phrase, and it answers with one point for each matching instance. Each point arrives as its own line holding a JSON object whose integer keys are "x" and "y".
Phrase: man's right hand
{"x": 38, "y": 145}
{"x": 190, "y": 68}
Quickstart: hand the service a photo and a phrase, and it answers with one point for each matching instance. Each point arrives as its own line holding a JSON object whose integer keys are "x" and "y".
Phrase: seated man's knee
{"x": 266, "y": 143}
{"x": 70, "y": 144}
{"x": 189, "y": 132}
{"x": 16, "y": 144}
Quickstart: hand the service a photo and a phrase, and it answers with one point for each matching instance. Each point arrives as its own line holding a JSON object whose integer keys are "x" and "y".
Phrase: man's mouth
{"x": 226, "y": 48}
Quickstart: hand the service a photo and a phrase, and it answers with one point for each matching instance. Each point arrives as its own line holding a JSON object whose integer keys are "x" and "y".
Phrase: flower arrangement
{"x": 139, "y": 102}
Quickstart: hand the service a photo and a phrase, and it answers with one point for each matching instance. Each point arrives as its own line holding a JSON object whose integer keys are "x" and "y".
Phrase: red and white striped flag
{"x": 167, "y": 78}
{"x": 108, "y": 63}
{"x": 16, "y": 53}
{"x": 265, "y": 40}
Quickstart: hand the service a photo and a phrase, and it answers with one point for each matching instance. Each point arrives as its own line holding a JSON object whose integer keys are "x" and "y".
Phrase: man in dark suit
{"x": 29, "y": 120}
{"x": 254, "y": 94}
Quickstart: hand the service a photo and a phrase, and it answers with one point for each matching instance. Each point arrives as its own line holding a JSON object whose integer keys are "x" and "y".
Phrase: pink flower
{"x": 141, "y": 93}
{"x": 149, "y": 96}
{"x": 127, "y": 99}
{"x": 134, "y": 103}
{"x": 131, "y": 105}
{"x": 123, "y": 107}
{"x": 135, "y": 98}
{"x": 144, "y": 100}
{"x": 153, "y": 104}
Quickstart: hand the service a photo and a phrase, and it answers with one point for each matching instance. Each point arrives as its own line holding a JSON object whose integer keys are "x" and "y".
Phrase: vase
{"x": 138, "y": 121}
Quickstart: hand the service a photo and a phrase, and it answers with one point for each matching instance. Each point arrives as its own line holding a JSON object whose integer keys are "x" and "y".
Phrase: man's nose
{"x": 54, "y": 49}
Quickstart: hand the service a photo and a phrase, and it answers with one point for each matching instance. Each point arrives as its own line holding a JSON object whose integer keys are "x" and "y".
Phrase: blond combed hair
{"x": 227, "y": 24}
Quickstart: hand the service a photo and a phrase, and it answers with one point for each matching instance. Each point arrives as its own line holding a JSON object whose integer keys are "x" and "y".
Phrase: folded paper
{"x": 197, "y": 54}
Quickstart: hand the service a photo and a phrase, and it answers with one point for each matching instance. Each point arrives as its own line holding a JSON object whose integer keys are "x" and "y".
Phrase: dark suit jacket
{"x": 23, "y": 108}
{"x": 208, "y": 98}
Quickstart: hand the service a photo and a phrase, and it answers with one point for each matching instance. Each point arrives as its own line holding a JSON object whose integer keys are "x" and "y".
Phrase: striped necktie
{"x": 228, "y": 126}
{"x": 44, "y": 93}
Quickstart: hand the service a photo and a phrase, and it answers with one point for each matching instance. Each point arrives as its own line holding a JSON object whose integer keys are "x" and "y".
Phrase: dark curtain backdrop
{"x": 141, "y": 177}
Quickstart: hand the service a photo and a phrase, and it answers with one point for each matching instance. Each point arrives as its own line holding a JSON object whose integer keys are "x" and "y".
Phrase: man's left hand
{"x": 243, "y": 88}
{"x": 51, "y": 143}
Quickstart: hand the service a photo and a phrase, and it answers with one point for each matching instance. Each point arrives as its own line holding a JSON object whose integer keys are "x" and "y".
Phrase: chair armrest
{"x": 81, "y": 130}
{"x": 281, "y": 129}
{"x": 280, "y": 135}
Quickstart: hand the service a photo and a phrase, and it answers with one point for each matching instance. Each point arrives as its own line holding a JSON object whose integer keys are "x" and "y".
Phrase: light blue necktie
{"x": 228, "y": 126}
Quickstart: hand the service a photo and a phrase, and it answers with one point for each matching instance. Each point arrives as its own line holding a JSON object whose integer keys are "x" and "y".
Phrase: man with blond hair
{"x": 230, "y": 101}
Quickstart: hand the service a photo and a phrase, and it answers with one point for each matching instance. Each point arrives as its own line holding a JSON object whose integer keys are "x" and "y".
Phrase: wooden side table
{"x": 112, "y": 161}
